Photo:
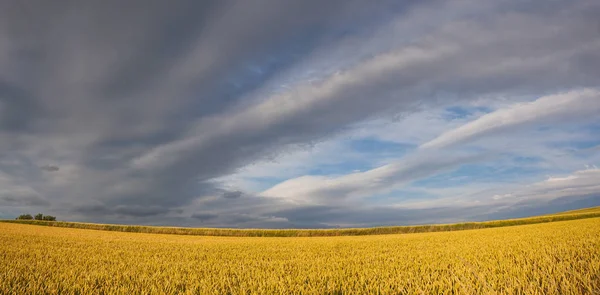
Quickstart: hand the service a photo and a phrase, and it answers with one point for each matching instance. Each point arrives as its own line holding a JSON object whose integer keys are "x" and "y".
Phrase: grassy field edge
{"x": 230, "y": 232}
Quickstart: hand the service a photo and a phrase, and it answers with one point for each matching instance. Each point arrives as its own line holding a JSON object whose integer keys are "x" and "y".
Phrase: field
{"x": 560, "y": 257}
{"x": 230, "y": 232}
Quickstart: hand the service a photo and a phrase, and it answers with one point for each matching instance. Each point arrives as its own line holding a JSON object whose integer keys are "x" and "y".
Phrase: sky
{"x": 298, "y": 114}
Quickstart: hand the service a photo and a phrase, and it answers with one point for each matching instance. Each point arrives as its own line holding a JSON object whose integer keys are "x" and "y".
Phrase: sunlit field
{"x": 560, "y": 257}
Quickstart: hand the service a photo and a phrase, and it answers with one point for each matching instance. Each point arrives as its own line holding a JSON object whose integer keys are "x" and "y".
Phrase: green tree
{"x": 49, "y": 218}
{"x": 39, "y": 216}
{"x": 25, "y": 217}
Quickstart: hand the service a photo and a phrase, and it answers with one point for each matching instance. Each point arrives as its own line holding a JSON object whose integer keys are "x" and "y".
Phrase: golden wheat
{"x": 551, "y": 258}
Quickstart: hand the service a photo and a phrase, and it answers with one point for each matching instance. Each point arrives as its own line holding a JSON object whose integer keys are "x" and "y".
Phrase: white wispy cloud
{"x": 426, "y": 162}
{"x": 350, "y": 187}
{"x": 582, "y": 182}
{"x": 553, "y": 108}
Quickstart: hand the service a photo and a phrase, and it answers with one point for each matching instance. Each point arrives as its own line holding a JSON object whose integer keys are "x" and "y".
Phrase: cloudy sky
{"x": 269, "y": 113}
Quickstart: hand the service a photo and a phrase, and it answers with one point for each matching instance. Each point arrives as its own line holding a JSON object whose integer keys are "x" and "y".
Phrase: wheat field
{"x": 550, "y": 258}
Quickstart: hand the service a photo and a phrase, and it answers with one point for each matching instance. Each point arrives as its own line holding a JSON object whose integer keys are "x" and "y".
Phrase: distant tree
{"x": 49, "y": 218}
{"x": 39, "y": 216}
{"x": 25, "y": 217}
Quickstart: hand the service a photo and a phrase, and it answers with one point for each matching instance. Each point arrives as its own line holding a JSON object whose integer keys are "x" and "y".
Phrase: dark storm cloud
{"x": 110, "y": 80}
{"x": 141, "y": 103}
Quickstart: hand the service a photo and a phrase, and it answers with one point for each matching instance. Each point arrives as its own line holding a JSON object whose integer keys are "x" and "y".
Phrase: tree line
{"x": 39, "y": 216}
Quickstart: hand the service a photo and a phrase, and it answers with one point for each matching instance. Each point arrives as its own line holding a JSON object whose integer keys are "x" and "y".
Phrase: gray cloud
{"x": 143, "y": 111}
{"x": 50, "y": 168}
{"x": 140, "y": 210}
{"x": 118, "y": 211}
{"x": 366, "y": 216}
{"x": 232, "y": 194}
{"x": 20, "y": 198}
{"x": 204, "y": 216}
{"x": 17, "y": 106}
{"x": 528, "y": 208}
{"x": 311, "y": 216}
{"x": 110, "y": 97}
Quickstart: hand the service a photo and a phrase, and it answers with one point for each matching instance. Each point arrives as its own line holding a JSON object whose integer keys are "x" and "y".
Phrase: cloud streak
{"x": 347, "y": 188}
{"x": 558, "y": 107}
